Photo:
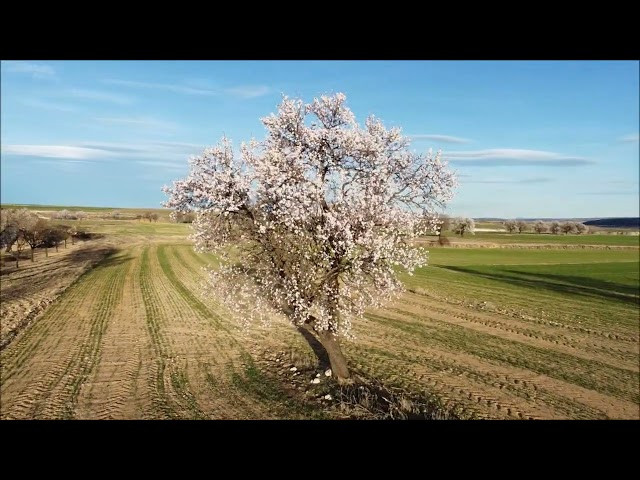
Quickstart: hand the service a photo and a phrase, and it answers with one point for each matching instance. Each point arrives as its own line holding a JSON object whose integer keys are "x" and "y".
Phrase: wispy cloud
{"x": 55, "y": 151}
{"x": 248, "y": 91}
{"x": 117, "y": 148}
{"x": 632, "y": 138}
{"x": 139, "y": 122}
{"x": 62, "y": 164}
{"x": 165, "y": 154}
{"x": 100, "y": 96}
{"x": 163, "y": 86}
{"x": 58, "y": 107}
{"x": 621, "y": 182}
{"x": 156, "y": 163}
{"x": 178, "y": 149}
{"x": 530, "y": 180}
{"x": 243, "y": 91}
{"x": 440, "y": 138}
{"x": 36, "y": 70}
{"x": 514, "y": 157}
{"x": 611, "y": 192}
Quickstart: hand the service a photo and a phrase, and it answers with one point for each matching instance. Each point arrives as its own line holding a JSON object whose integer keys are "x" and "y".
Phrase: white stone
{"x": 317, "y": 375}
{"x": 293, "y": 369}
{"x": 315, "y": 380}
{"x": 328, "y": 397}
{"x": 327, "y": 373}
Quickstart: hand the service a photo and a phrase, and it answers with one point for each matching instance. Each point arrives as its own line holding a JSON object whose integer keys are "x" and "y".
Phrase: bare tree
{"x": 21, "y": 242}
{"x": 65, "y": 233}
{"x": 555, "y": 227}
{"x": 463, "y": 225}
{"x": 180, "y": 217}
{"x": 540, "y": 227}
{"x": 568, "y": 227}
{"x": 320, "y": 215}
{"x": 13, "y": 224}
{"x": 24, "y": 221}
{"x": 34, "y": 234}
{"x": 8, "y": 228}
{"x": 581, "y": 228}
{"x": 64, "y": 215}
{"x": 522, "y": 226}
{"x": 510, "y": 225}
{"x": 53, "y": 236}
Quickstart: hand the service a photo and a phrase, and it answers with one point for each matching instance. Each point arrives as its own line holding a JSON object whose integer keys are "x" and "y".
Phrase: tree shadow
{"x": 588, "y": 287}
{"x": 316, "y": 346}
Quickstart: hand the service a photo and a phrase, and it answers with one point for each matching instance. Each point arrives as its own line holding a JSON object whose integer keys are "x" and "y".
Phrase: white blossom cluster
{"x": 313, "y": 221}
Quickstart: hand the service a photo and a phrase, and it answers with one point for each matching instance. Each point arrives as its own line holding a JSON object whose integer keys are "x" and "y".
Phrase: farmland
{"x": 508, "y": 333}
{"x": 548, "y": 239}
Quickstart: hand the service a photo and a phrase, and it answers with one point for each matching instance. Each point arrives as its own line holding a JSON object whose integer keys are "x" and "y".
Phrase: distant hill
{"x": 626, "y": 222}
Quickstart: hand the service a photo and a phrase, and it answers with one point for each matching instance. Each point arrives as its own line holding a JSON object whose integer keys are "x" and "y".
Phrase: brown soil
{"x": 134, "y": 338}
{"x": 28, "y": 290}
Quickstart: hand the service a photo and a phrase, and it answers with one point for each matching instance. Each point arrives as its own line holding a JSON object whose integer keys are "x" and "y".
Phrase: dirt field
{"x": 28, "y": 290}
{"x": 134, "y": 338}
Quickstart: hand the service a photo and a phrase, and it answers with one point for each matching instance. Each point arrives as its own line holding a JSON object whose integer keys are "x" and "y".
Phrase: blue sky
{"x": 527, "y": 138}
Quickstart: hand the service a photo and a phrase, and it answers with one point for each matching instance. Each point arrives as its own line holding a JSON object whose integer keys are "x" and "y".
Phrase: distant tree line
{"x": 180, "y": 217}
{"x": 69, "y": 215}
{"x": 152, "y": 217}
{"x": 539, "y": 226}
{"x": 461, "y": 225}
{"x": 21, "y": 227}
{"x": 458, "y": 225}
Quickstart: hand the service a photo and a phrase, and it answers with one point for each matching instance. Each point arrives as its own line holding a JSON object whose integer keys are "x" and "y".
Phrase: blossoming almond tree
{"x": 464, "y": 225}
{"x": 313, "y": 222}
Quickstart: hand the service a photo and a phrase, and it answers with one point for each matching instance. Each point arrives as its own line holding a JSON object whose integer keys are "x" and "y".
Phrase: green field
{"x": 588, "y": 239}
{"x": 84, "y": 209}
{"x": 135, "y": 227}
{"x": 500, "y": 256}
{"x": 590, "y": 286}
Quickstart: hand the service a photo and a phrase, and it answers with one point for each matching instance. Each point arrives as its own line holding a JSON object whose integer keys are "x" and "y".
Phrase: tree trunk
{"x": 46, "y": 252}
{"x": 326, "y": 346}
{"x": 17, "y": 258}
{"x": 338, "y": 363}
{"x": 72, "y": 241}
{"x": 65, "y": 243}
{"x": 56, "y": 248}
{"x": 32, "y": 254}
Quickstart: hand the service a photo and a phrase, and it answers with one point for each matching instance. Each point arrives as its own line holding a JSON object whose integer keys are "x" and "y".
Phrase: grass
{"x": 495, "y": 256}
{"x": 587, "y": 239}
{"x": 135, "y": 227}
{"x": 31, "y": 206}
{"x": 187, "y": 294}
{"x": 594, "y": 287}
